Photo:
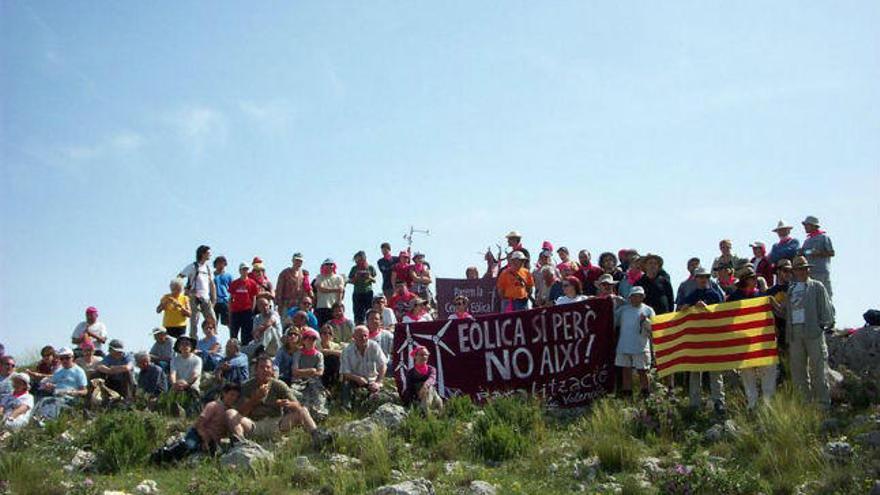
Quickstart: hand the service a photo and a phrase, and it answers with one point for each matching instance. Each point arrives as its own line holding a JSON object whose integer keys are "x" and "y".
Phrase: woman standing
{"x": 176, "y": 309}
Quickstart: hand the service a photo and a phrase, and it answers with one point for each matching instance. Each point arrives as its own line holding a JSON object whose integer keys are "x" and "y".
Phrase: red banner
{"x": 480, "y": 292}
{"x": 563, "y": 353}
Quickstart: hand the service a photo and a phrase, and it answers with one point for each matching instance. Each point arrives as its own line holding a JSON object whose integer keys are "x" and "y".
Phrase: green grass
{"x": 609, "y": 435}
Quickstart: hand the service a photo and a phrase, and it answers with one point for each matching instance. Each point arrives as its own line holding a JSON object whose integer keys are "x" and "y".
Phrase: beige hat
{"x": 745, "y": 272}
{"x": 800, "y": 262}
{"x": 781, "y": 225}
{"x": 517, "y": 255}
{"x": 605, "y": 278}
{"x": 513, "y": 233}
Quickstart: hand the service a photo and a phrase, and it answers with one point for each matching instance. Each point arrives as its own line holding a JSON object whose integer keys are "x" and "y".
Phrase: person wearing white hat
{"x": 787, "y": 247}
{"x": 634, "y": 343}
{"x": 515, "y": 283}
{"x": 818, "y": 250}
{"x": 808, "y": 313}
{"x": 162, "y": 350}
{"x": 761, "y": 263}
{"x": 69, "y": 380}
{"x": 514, "y": 241}
{"x": 17, "y": 406}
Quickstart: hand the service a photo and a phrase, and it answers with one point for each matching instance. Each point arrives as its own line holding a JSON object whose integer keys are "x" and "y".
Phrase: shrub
{"x": 704, "y": 478}
{"x": 781, "y": 441}
{"x": 460, "y": 407}
{"x": 608, "y": 435}
{"x": 24, "y": 473}
{"x": 507, "y": 428}
{"x": 374, "y": 453}
{"x": 435, "y": 434}
{"x": 125, "y": 438}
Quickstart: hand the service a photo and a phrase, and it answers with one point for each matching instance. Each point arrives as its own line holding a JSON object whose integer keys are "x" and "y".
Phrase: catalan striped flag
{"x": 724, "y": 336}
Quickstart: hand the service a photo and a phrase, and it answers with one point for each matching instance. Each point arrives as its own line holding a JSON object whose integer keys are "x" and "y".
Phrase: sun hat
{"x": 64, "y": 351}
{"x": 17, "y": 375}
{"x": 513, "y": 233}
{"x": 297, "y": 256}
{"x": 244, "y": 266}
{"x": 605, "y": 278}
{"x": 637, "y": 291}
{"x": 701, "y": 272}
{"x": 159, "y": 330}
{"x": 116, "y": 345}
{"x": 781, "y": 225}
{"x": 811, "y": 220}
{"x": 783, "y": 264}
{"x": 800, "y": 262}
{"x": 517, "y": 255}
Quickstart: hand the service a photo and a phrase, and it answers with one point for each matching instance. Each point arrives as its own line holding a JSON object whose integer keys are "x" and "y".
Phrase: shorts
{"x": 262, "y": 429}
{"x": 638, "y": 361}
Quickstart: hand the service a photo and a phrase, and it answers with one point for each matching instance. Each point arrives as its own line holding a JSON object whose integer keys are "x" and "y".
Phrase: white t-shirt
{"x": 326, "y": 300}
{"x": 563, "y": 299}
{"x": 186, "y": 368}
{"x": 10, "y": 403}
{"x": 200, "y": 278}
{"x": 96, "y": 328}
{"x": 388, "y": 318}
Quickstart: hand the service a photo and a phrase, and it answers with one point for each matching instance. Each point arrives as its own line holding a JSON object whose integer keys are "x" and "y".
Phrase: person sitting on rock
{"x": 88, "y": 361}
{"x": 16, "y": 407}
{"x": 383, "y": 337}
{"x": 290, "y": 343}
{"x": 116, "y": 370}
{"x": 208, "y": 348}
{"x": 152, "y": 380}
{"x": 46, "y": 366}
{"x": 307, "y": 369}
{"x": 363, "y": 366}
{"x": 267, "y": 330}
{"x": 421, "y": 382}
{"x": 233, "y": 368}
{"x": 332, "y": 352}
{"x": 268, "y": 407}
{"x": 162, "y": 350}
{"x": 66, "y": 386}
{"x": 343, "y": 326}
{"x": 186, "y": 368}
{"x": 212, "y": 425}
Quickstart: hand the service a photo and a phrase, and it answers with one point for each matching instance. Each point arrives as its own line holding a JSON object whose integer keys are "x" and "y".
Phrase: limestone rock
{"x": 82, "y": 461}
{"x": 246, "y": 454}
{"x": 419, "y": 486}
{"x": 342, "y": 461}
{"x": 651, "y": 466}
{"x": 870, "y": 439}
{"x": 478, "y": 487}
{"x": 839, "y": 452}
{"x": 860, "y": 352}
{"x": 391, "y": 416}
{"x": 147, "y": 487}
{"x": 586, "y": 469}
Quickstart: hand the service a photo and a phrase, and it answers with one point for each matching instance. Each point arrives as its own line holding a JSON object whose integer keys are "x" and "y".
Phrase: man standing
{"x": 91, "y": 329}
{"x": 818, "y": 250}
{"x": 808, "y": 313}
{"x": 702, "y": 296}
{"x": 363, "y": 365}
{"x": 514, "y": 241}
{"x": 515, "y": 283}
{"x": 290, "y": 289}
{"x": 243, "y": 295}
{"x": 222, "y": 279}
{"x": 688, "y": 286}
{"x": 386, "y": 265}
{"x": 200, "y": 288}
{"x": 658, "y": 289}
{"x": 330, "y": 289}
{"x": 267, "y": 406}
{"x": 787, "y": 247}
{"x": 588, "y": 273}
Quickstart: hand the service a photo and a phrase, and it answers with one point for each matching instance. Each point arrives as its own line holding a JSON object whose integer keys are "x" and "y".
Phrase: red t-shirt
{"x": 242, "y": 294}
{"x": 403, "y": 272}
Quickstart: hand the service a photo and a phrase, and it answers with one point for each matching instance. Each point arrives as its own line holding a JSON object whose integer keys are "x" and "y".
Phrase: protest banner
{"x": 563, "y": 353}
{"x": 726, "y": 336}
{"x": 481, "y": 292}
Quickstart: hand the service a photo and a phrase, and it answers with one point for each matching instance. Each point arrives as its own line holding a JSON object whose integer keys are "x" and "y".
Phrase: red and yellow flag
{"x": 724, "y": 336}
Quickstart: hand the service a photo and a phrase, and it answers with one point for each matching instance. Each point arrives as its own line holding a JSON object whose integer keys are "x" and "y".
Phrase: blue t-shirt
{"x": 312, "y": 320}
{"x": 123, "y": 360}
{"x": 222, "y": 282}
{"x": 73, "y": 378}
{"x": 205, "y": 344}
{"x": 707, "y": 295}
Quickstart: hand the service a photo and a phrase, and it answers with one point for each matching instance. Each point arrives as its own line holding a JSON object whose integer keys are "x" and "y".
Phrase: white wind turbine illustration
{"x": 438, "y": 345}
{"x": 406, "y": 348}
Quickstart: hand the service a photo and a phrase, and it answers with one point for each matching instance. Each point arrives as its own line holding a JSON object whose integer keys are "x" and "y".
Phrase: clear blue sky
{"x": 132, "y": 132}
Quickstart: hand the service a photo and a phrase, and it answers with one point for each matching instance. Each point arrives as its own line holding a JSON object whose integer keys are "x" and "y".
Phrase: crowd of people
{"x": 290, "y": 345}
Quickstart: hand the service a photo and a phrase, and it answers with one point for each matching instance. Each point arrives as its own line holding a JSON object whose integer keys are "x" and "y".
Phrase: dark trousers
{"x": 362, "y": 302}
{"x": 323, "y": 315}
{"x": 221, "y": 310}
{"x": 176, "y": 332}
{"x": 331, "y": 371}
{"x": 241, "y": 321}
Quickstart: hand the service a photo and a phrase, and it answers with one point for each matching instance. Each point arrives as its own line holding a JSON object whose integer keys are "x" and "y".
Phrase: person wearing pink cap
{"x": 761, "y": 263}
{"x": 90, "y": 330}
{"x": 307, "y": 371}
{"x": 401, "y": 270}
